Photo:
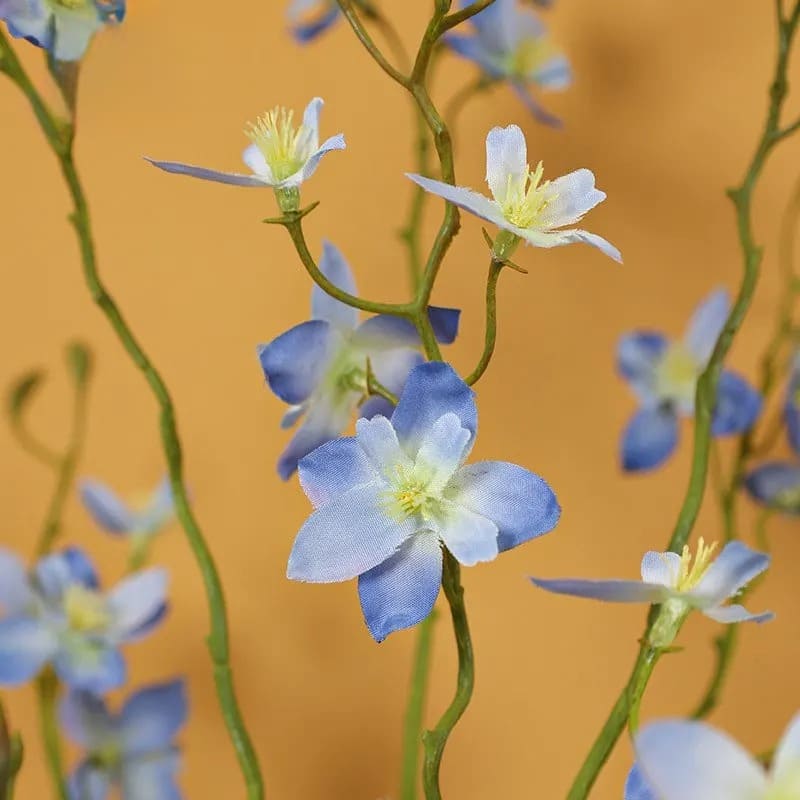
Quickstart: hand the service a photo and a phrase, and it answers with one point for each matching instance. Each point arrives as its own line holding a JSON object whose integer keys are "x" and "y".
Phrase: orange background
{"x": 666, "y": 106}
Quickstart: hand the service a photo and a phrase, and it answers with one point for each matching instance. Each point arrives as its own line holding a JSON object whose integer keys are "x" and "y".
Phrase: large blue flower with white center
{"x": 704, "y": 584}
{"x": 528, "y": 209}
{"x": 682, "y": 760}
{"x": 776, "y": 484}
{"x": 319, "y": 366}
{"x": 511, "y": 44}
{"x": 137, "y": 520}
{"x": 389, "y": 498}
{"x": 664, "y": 375}
{"x": 310, "y": 18}
{"x": 62, "y": 27}
{"x": 281, "y": 155}
{"x": 57, "y": 615}
{"x": 133, "y": 750}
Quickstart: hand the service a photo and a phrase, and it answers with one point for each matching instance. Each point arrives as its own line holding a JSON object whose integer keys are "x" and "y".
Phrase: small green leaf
{"x": 22, "y": 392}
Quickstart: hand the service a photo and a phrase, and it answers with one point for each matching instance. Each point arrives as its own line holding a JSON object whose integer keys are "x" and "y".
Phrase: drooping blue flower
{"x": 310, "y": 18}
{"x": 120, "y": 518}
{"x": 705, "y": 584}
{"x": 535, "y": 212}
{"x": 663, "y": 376}
{"x": 133, "y": 750}
{"x": 58, "y": 615}
{"x": 684, "y": 760}
{"x": 389, "y": 498}
{"x": 62, "y": 27}
{"x": 319, "y": 366}
{"x": 281, "y": 155}
{"x": 510, "y": 43}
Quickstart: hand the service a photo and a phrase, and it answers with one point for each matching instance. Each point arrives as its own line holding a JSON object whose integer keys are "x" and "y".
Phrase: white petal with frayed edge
{"x": 254, "y": 158}
{"x": 470, "y": 201}
{"x": 506, "y": 160}
{"x": 612, "y": 591}
{"x": 470, "y": 537}
{"x": 378, "y": 440}
{"x": 570, "y": 236}
{"x": 661, "y": 568}
{"x": 570, "y": 197}
{"x": 444, "y": 448}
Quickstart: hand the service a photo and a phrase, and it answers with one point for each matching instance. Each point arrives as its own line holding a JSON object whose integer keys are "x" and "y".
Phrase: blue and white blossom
{"x": 389, "y": 498}
{"x": 510, "y": 43}
{"x": 521, "y": 204}
{"x": 281, "y": 155}
{"x": 636, "y": 787}
{"x": 319, "y": 366}
{"x": 703, "y": 583}
{"x": 136, "y": 520}
{"x": 663, "y": 375}
{"x": 58, "y": 615}
{"x": 62, "y": 27}
{"x": 310, "y": 18}
{"x": 133, "y": 750}
{"x": 683, "y": 760}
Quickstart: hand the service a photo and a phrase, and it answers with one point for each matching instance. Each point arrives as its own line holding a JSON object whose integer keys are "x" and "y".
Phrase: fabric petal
{"x": 310, "y": 167}
{"x": 402, "y": 590}
{"x": 56, "y": 572}
{"x": 26, "y": 645}
{"x": 444, "y": 449}
{"x": 292, "y": 414}
{"x": 497, "y": 25}
{"x": 470, "y": 201}
{"x": 73, "y": 32}
{"x": 309, "y": 30}
{"x": 636, "y": 787}
{"x": 231, "y": 178}
{"x": 638, "y": 355}
{"x": 732, "y": 569}
{"x": 473, "y": 49}
{"x": 29, "y": 19}
{"x": 254, "y": 159}
{"x": 333, "y": 469}
{"x": 393, "y": 367}
{"x": 106, "y": 508}
{"x": 15, "y": 590}
{"x": 92, "y": 666}
{"x": 152, "y": 718}
{"x": 786, "y": 761}
{"x": 777, "y": 485}
{"x": 152, "y": 777}
{"x": 470, "y": 537}
{"x": 347, "y": 536}
{"x": 444, "y": 322}
{"x": 706, "y": 325}
{"x": 738, "y": 405}
{"x": 311, "y": 121}
{"x": 506, "y": 160}
{"x": 611, "y": 591}
{"x": 692, "y": 761}
{"x": 89, "y": 782}
{"x": 521, "y": 504}
{"x": 375, "y": 407}
{"x": 649, "y": 439}
{"x": 661, "y": 568}
{"x": 736, "y": 613}
{"x": 377, "y": 438}
{"x": 569, "y": 236}
{"x": 336, "y": 269}
{"x": 85, "y": 718}
{"x": 570, "y": 197}
{"x": 136, "y": 602}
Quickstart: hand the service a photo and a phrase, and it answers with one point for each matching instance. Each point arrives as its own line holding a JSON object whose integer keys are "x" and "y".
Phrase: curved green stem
{"x": 47, "y": 688}
{"x": 490, "y": 337}
{"x": 32, "y": 446}
{"x": 60, "y": 137}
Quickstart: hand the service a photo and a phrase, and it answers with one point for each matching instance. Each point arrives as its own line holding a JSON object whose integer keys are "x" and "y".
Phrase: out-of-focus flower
{"x": 133, "y": 750}
{"x": 120, "y": 518}
{"x": 62, "y": 27}
{"x": 522, "y": 205}
{"x": 636, "y": 787}
{"x": 319, "y": 366}
{"x": 682, "y": 760}
{"x": 389, "y": 498}
{"x": 58, "y": 616}
{"x": 664, "y": 375}
{"x": 511, "y": 44}
{"x": 310, "y": 18}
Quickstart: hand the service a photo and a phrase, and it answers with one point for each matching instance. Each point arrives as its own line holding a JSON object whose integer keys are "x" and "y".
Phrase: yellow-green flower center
{"x": 788, "y": 498}
{"x": 676, "y": 374}
{"x": 410, "y": 492}
{"x": 284, "y": 146}
{"x": 690, "y": 572}
{"x": 526, "y": 197}
{"x": 86, "y": 610}
{"x": 530, "y": 55}
{"x": 72, "y": 5}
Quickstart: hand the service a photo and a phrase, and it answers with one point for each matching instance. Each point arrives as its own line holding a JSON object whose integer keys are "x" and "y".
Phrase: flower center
{"x": 526, "y": 197}
{"x": 788, "y": 498}
{"x": 72, "y": 5}
{"x": 689, "y": 574}
{"x": 86, "y": 610}
{"x": 410, "y": 492}
{"x": 284, "y": 146}
{"x": 529, "y": 56}
{"x": 676, "y": 375}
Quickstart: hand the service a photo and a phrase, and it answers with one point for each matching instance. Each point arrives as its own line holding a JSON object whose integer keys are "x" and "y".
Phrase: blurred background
{"x": 667, "y": 103}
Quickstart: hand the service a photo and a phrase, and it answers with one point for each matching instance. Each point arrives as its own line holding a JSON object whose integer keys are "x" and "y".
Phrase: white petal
{"x": 728, "y": 615}
{"x": 464, "y": 198}
{"x": 254, "y": 159}
{"x": 733, "y": 568}
{"x": 661, "y": 568}
{"x": 571, "y": 236}
{"x": 378, "y": 440}
{"x": 570, "y": 197}
{"x": 506, "y": 160}
{"x": 311, "y": 122}
{"x": 786, "y": 762}
{"x": 470, "y": 537}
{"x": 136, "y": 600}
{"x": 444, "y": 449}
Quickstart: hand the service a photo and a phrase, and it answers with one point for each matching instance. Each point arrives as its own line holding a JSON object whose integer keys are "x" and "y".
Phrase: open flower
{"x": 119, "y": 518}
{"x": 705, "y": 583}
{"x": 62, "y": 27}
{"x": 59, "y": 616}
{"x": 387, "y": 499}
{"x": 319, "y": 367}
{"x": 282, "y": 155}
{"x": 511, "y": 44}
{"x": 524, "y": 206}
{"x": 133, "y": 750}
{"x": 682, "y": 760}
{"x": 664, "y": 375}
{"x": 310, "y": 18}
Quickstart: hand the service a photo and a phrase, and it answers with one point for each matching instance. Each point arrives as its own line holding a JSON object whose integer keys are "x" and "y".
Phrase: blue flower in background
{"x": 511, "y": 44}
{"x": 134, "y": 750}
{"x": 387, "y": 499}
{"x": 62, "y": 27}
{"x": 57, "y": 615}
{"x": 309, "y": 18}
{"x": 281, "y": 155}
{"x": 119, "y": 518}
{"x": 684, "y": 760}
{"x": 705, "y": 585}
{"x": 776, "y": 484}
{"x": 636, "y": 787}
{"x": 664, "y": 375}
{"x": 319, "y": 367}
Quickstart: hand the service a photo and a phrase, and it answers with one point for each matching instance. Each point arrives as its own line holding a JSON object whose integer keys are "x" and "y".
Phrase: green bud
{"x": 23, "y": 391}
{"x": 79, "y": 361}
{"x": 504, "y": 245}
{"x": 288, "y": 199}
{"x": 669, "y": 621}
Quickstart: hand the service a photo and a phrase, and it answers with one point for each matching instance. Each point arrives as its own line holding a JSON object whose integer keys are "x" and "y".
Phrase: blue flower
{"x": 62, "y": 27}
{"x": 310, "y": 18}
{"x": 58, "y": 616}
{"x": 684, "y": 760}
{"x": 120, "y": 518}
{"x": 636, "y": 787}
{"x": 281, "y": 155}
{"x": 134, "y": 750}
{"x": 511, "y": 44}
{"x": 522, "y": 205}
{"x": 319, "y": 367}
{"x": 664, "y": 374}
{"x": 387, "y": 499}
{"x": 705, "y": 584}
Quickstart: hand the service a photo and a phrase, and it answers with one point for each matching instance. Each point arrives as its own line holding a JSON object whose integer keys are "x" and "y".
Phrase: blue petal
{"x": 444, "y": 322}
{"x": 296, "y": 361}
{"x": 29, "y": 19}
{"x": 55, "y": 573}
{"x": 555, "y": 74}
{"x": 431, "y": 391}
{"x": 539, "y": 113}
{"x": 231, "y": 178}
{"x": 91, "y": 666}
{"x": 137, "y": 604}
{"x": 376, "y": 407}
{"x": 15, "y": 590}
{"x": 737, "y": 408}
{"x": 85, "y": 718}
{"x": 470, "y": 537}
{"x": 649, "y": 439}
{"x": 613, "y": 591}
{"x": 159, "y": 510}
{"x": 152, "y": 718}
{"x": 310, "y": 167}
{"x": 776, "y": 484}
{"x": 732, "y": 569}
{"x": 333, "y": 469}
{"x": 496, "y": 25}
{"x": 734, "y": 614}
{"x": 519, "y": 502}
{"x": 89, "y": 782}
{"x": 636, "y": 787}
{"x": 106, "y": 508}
{"x": 336, "y": 269}
{"x": 385, "y": 331}
{"x": 307, "y": 31}
{"x": 638, "y": 355}
{"x": 706, "y": 325}
{"x": 393, "y": 367}
{"x": 152, "y": 777}
{"x": 401, "y": 591}
{"x": 26, "y": 645}
{"x": 473, "y": 49}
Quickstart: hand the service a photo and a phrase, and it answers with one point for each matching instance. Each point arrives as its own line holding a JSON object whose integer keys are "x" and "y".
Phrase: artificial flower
{"x": 310, "y": 18}
{"x": 121, "y": 518}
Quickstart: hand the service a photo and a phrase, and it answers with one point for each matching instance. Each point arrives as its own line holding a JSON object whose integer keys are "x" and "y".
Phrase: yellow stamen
{"x": 283, "y": 145}
{"x": 85, "y": 609}
{"x": 526, "y": 197}
{"x": 676, "y": 374}
{"x": 689, "y": 574}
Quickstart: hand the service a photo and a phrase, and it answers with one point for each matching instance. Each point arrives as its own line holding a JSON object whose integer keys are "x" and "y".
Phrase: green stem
{"x": 10, "y": 757}
{"x": 60, "y": 138}
{"x": 707, "y": 384}
{"x": 32, "y": 446}
{"x": 47, "y": 691}
{"x": 490, "y": 337}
